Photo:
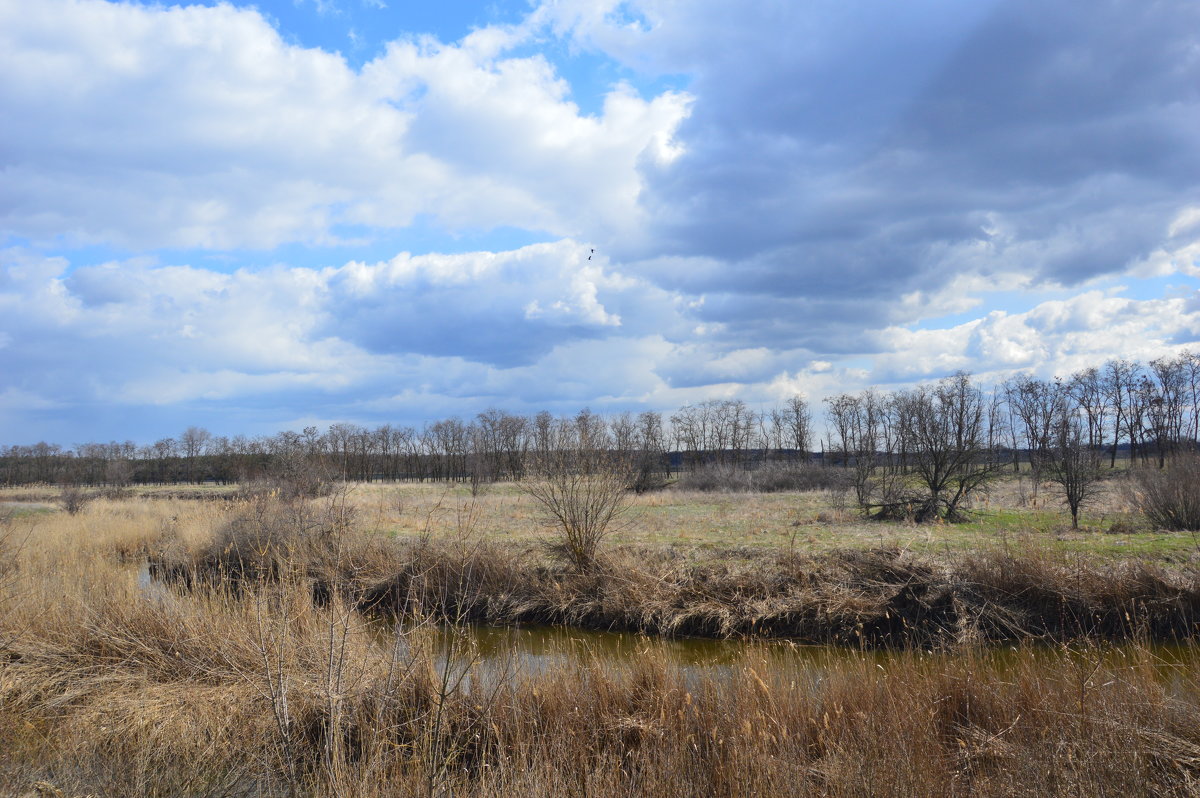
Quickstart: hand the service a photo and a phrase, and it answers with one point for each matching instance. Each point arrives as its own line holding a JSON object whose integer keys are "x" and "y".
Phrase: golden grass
{"x": 806, "y": 522}
{"x": 107, "y": 688}
{"x": 106, "y": 692}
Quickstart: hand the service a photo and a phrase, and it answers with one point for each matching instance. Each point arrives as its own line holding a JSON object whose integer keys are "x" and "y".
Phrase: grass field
{"x": 246, "y": 685}
{"x": 807, "y": 522}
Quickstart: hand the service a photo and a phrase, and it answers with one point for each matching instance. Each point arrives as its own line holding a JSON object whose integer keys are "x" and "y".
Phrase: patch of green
{"x": 1171, "y": 546}
{"x": 1008, "y": 519}
{"x": 25, "y": 510}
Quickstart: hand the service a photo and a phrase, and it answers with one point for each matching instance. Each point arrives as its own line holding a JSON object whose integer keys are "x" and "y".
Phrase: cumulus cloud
{"x": 362, "y": 341}
{"x": 1056, "y": 337}
{"x": 136, "y": 333}
{"x": 503, "y": 309}
{"x": 838, "y": 189}
{"x": 201, "y": 127}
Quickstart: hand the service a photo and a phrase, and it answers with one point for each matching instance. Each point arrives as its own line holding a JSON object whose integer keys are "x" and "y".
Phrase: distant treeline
{"x": 1151, "y": 410}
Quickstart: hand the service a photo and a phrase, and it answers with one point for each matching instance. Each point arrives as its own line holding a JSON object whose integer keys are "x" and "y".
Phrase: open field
{"x": 244, "y": 685}
{"x": 806, "y": 522}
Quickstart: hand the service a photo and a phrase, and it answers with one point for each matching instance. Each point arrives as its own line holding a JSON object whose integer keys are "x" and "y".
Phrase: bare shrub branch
{"x": 581, "y": 487}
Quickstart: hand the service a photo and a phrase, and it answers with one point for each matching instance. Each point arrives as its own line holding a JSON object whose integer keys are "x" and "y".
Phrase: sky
{"x": 262, "y": 216}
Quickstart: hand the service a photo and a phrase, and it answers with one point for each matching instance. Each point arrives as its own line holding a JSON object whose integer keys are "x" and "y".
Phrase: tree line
{"x": 493, "y": 446}
{"x": 950, "y": 429}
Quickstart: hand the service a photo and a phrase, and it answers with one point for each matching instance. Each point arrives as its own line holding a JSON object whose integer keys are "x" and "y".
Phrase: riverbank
{"x": 263, "y": 672}
{"x": 107, "y": 693}
{"x": 865, "y": 596}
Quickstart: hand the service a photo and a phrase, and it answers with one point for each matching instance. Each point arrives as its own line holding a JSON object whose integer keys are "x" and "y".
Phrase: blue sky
{"x": 262, "y": 216}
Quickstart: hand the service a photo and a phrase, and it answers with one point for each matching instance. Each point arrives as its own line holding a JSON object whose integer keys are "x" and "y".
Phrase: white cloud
{"x": 423, "y": 336}
{"x": 1056, "y": 337}
{"x": 200, "y": 127}
{"x": 829, "y": 179}
{"x": 135, "y": 332}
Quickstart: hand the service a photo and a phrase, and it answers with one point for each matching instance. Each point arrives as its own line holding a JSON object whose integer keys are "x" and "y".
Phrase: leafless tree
{"x": 799, "y": 426}
{"x": 1121, "y": 378}
{"x": 1166, "y": 392}
{"x": 1034, "y": 405}
{"x": 955, "y": 436}
{"x": 1072, "y": 463}
{"x": 858, "y": 422}
{"x": 1086, "y": 389}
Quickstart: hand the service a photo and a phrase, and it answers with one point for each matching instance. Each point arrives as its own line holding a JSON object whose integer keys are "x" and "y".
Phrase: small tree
{"x": 73, "y": 499}
{"x": 581, "y": 487}
{"x": 1072, "y": 464}
{"x": 954, "y": 438}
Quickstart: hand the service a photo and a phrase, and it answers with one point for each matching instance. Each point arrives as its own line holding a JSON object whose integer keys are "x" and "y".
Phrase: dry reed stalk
{"x": 109, "y": 689}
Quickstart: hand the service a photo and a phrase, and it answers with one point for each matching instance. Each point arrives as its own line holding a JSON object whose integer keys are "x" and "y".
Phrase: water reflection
{"x": 488, "y": 651}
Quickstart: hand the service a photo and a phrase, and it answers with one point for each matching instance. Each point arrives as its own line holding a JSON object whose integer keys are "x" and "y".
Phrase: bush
{"x": 1170, "y": 497}
{"x": 73, "y": 499}
{"x": 580, "y": 486}
{"x": 290, "y": 477}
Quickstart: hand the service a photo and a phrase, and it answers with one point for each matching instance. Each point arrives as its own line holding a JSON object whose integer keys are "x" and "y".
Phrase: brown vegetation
{"x": 879, "y": 597}
{"x": 254, "y": 683}
{"x": 1170, "y": 497}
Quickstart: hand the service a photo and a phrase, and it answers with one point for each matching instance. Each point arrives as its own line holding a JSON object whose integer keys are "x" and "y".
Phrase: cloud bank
{"x": 831, "y": 195}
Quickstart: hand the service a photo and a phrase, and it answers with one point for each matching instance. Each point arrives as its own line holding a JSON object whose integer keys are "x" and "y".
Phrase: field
{"x": 1008, "y": 655}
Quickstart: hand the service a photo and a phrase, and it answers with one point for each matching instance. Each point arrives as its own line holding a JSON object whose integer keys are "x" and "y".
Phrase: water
{"x": 486, "y": 652}
{"x": 478, "y": 651}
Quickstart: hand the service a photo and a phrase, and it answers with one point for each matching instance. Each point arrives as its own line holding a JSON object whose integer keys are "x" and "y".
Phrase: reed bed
{"x": 266, "y": 674}
{"x": 113, "y": 694}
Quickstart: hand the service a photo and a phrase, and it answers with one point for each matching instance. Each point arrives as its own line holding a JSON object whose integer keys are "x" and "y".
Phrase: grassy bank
{"x": 264, "y": 694}
{"x": 260, "y": 674}
{"x": 878, "y": 595}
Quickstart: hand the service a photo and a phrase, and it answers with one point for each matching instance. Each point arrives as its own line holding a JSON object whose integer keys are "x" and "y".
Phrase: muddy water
{"x": 487, "y": 651}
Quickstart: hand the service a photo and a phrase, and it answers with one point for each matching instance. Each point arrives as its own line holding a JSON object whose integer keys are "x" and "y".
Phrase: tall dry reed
{"x": 109, "y": 686}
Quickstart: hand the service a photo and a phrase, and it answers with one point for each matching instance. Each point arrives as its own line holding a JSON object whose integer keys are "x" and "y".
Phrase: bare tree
{"x": 1035, "y": 404}
{"x": 1072, "y": 463}
{"x": 798, "y": 420}
{"x": 859, "y": 422}
{"x": 1118, "y": 374}
{"x": 1166, "y": 390}
{"x": 954, "y": 433}
{"x": 1086, "y": 389}
{"x": 192, "y": 443}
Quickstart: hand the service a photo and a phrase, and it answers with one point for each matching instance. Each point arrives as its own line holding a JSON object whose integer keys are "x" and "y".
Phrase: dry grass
{"x": 110, "y": 688}
{"x": 108, "y": 693}
{"x": 809, "y": 522}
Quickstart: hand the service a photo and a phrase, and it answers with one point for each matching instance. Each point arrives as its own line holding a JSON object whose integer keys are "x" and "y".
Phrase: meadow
{"x": 222, "y": 641}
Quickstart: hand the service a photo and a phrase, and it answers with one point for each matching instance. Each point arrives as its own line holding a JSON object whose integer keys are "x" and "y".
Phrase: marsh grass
{"x": 217, "y": 694}
{"x": 257, "y": 689}
{"x": 812, "y": 521}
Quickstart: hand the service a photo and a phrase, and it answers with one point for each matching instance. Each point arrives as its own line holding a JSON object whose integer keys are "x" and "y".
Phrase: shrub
{"x": 581, "y": 489}
{"x": 1170, "y": 497}
{"x": 647, "y": 477}
{"x": 290, "y": 477}
{"x": 73, "y": 499}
